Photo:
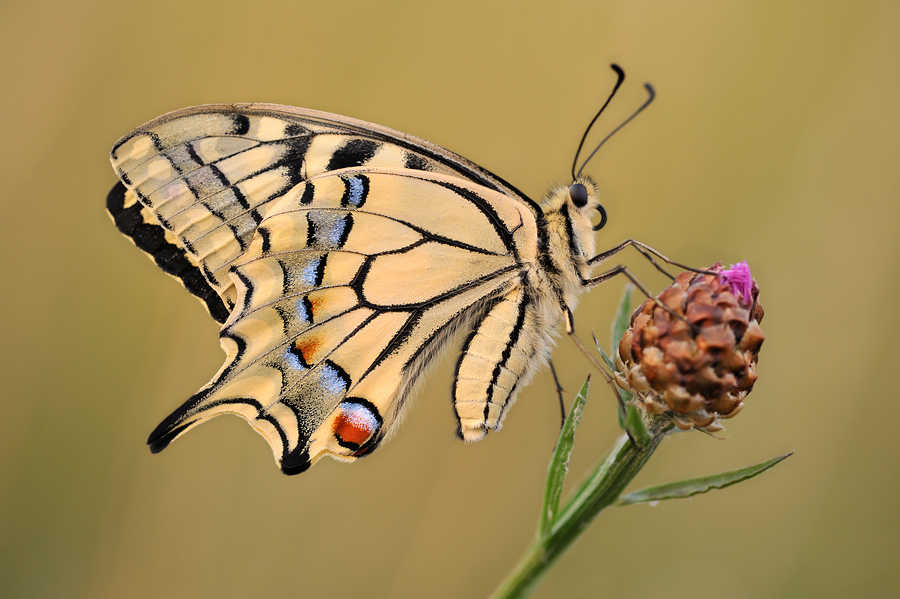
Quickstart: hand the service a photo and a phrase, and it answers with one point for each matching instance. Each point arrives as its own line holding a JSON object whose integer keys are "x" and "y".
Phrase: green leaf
{"x": 619, "y": 326}
{"x": 610, "y": 362}
{"x": 633, "y": 423}
{"x": 623, "y": 316}
{"x": 694, "y": 486}
{"x": 559, "y": 463}
{"x": 594, "y": 494}
{"x": 626, "y": 415}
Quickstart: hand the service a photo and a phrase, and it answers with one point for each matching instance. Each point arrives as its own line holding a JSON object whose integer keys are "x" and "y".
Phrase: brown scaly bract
{"x": 699, "y": 366}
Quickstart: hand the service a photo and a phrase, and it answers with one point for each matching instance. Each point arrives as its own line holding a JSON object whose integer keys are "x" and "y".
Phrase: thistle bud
{"x": 695, "y": 360}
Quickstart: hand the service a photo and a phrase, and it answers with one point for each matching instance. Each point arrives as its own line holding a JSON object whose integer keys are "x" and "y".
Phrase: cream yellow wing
{"x": 196, "y": 183}
{"x": 350, "y": 284}
{"x": 370, "y": 247}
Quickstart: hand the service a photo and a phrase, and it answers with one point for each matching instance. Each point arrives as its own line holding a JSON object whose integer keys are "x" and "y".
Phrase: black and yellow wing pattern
{"x": 340, "y": 257}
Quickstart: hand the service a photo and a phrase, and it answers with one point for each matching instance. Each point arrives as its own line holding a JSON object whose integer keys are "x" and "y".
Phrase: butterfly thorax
{"x": 568, "y": 242}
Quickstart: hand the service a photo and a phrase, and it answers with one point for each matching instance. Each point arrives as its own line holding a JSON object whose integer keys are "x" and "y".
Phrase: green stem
{"x": 600, "y": 490}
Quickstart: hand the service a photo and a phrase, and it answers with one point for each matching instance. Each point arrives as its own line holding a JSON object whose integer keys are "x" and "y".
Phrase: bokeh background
{"x": 774, "y": 139}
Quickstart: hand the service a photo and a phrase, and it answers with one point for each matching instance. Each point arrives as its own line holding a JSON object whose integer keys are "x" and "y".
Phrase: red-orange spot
{"x": 308, "y": 345}
{"x": 350, "y": 428}
{"x": 317, "y": 304}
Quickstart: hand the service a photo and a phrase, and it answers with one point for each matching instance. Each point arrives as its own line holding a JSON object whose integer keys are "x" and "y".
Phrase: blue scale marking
{"x": 310, "y": 270}
{"x": 301, "y": 311}
{"x": 355, "y": 191}
{"x": 360, "y": 415}
{"x": 293, "y": 359}
{"x": 331, "y": 381}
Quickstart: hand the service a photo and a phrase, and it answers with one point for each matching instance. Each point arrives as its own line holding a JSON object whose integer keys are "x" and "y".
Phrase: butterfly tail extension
{"x": 280, "y": 423}
{"x": 489, "y": 373}
{"x": 176, "y": 423}
{"x": 204, "y": 405}
{"x": 278, "y": 426}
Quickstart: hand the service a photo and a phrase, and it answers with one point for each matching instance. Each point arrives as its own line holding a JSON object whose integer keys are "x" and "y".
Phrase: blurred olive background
{"x": 774, "y": 139}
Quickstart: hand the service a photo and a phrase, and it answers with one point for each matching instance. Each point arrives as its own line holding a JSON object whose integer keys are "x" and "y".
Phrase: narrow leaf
{"x": 619, "y": 326}
{"x": 633, "y": 423}
{"x": 623, "y": 316}
{"x": 559, "y": 463}
{"x": 694, "y": 486}
{"x": 610, "y": 363}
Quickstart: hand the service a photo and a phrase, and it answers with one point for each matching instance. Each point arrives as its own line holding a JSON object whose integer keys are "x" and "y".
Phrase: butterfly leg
{"x": 648, "y": 252}
{"x": 559, "y": 393}
{"x": 618, "y": 270}
{"x": 502, "y": 351}
{"x": 608, "y": 376}
{"x": 624, "y": 270}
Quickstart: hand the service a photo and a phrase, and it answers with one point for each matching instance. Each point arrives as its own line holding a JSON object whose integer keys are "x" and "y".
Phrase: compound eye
{"x": 578, "y": 194}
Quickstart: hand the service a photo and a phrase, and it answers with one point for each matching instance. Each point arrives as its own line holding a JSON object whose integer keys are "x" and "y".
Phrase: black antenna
{"x": 621, "y": 78}
{"x": 652, "y": 95}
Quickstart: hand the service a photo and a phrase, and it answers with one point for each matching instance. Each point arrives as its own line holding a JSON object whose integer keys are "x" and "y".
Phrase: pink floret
{"x": 741, "y": 281}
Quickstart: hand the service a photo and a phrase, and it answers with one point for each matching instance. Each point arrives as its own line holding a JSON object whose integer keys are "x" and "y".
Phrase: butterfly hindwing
{"x": 501, "y": 353}
{"x": 351, "y": 283}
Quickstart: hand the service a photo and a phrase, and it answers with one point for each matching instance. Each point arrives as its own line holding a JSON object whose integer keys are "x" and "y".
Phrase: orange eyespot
{"x": 355, "y": 424}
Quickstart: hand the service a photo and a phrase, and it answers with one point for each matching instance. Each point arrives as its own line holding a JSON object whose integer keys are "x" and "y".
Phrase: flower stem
{"x": 598, "y": 491}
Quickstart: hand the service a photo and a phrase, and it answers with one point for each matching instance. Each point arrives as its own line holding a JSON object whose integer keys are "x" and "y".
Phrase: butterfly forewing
{"x": 207, "y": 175}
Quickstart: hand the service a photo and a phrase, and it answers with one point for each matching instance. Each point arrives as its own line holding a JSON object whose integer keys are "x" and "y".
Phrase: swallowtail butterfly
{"x": 340, "y": 258}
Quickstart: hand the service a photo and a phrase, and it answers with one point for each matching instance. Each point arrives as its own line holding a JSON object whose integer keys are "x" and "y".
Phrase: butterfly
{"x": 341, "y": 258}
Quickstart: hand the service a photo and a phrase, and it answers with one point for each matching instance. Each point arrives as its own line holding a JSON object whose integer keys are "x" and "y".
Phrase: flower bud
{"x": 694, "y": 360}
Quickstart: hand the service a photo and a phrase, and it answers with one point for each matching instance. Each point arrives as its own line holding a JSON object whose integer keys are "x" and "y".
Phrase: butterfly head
{"x": 569, "y": 214}
{"x": 580, "y": 197}
{"x": 580, "y": 202}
